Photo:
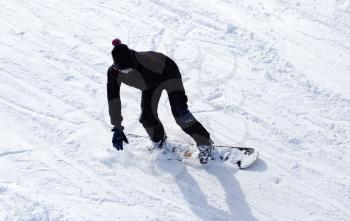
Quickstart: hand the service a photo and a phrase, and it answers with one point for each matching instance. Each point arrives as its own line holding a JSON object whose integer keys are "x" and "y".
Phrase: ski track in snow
{"x": 267, "y": 74}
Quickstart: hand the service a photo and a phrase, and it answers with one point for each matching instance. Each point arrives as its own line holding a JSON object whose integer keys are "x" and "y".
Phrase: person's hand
{"x": 118, "y": 138}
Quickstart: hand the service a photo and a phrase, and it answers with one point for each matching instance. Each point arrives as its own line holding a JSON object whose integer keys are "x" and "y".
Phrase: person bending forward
{"x": 152, "y": 72}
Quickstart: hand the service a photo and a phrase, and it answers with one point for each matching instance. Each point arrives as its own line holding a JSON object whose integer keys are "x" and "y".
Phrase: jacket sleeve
{"x": 113, "y": 95}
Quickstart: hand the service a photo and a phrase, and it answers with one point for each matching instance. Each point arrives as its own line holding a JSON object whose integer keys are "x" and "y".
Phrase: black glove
{"x": 118, "y": 138}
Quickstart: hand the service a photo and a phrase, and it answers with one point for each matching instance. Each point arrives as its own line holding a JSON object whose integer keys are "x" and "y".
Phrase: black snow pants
{"x": 179, "y": 108}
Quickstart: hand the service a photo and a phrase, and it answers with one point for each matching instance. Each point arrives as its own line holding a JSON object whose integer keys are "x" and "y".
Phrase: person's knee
{"x": 148, "y": 121}
{"x": 185, "y": 119}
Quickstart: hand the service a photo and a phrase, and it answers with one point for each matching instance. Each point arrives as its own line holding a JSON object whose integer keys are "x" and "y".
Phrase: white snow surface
{"x": 269, "y": 74}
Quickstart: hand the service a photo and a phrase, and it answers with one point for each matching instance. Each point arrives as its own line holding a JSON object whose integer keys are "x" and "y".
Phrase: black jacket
{"x": 149, "y": 69}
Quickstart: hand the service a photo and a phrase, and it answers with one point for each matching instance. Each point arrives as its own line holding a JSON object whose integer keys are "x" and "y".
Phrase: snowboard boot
{"x": 161, "y": 144}
{"x": 205, "y": 152}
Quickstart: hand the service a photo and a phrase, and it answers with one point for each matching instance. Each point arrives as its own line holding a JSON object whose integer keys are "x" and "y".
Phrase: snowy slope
{"x": 269, "y": 74}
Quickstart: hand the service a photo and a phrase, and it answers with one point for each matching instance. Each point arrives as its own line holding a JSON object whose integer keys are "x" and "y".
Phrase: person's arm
{"x": 113, "y": 94}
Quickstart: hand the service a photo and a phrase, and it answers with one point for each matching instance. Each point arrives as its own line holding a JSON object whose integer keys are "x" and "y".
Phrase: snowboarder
{"x": 152, "y": 72}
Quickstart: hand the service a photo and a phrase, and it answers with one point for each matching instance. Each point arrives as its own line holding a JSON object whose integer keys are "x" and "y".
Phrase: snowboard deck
{"x": 243, "y": 157}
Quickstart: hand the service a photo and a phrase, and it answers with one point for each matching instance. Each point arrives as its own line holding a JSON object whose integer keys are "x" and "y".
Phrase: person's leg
{"x": 183, "y": 117}
{"x": 149, "y": 115}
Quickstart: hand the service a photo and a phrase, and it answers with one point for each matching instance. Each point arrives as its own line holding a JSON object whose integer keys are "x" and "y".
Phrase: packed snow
{"x": 268, "y": 74}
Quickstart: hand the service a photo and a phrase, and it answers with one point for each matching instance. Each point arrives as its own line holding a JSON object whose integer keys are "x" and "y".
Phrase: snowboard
{"x": 243, "y": 157}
